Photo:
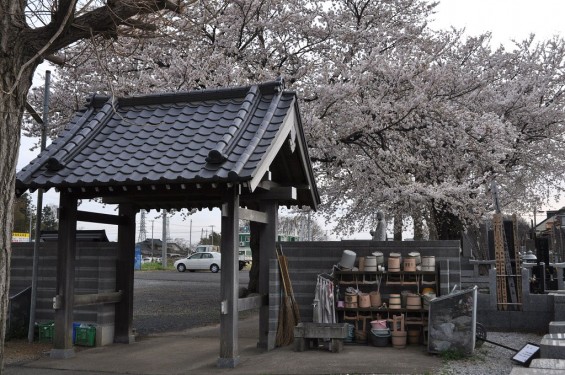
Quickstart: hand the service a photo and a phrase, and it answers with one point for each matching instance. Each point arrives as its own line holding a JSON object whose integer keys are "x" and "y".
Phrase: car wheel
{"x": 214, "y": 268}
{"x": 181, "y": 267}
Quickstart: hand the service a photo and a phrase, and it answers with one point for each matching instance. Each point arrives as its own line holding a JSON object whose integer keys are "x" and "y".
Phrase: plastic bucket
{"x": 379, "y": 256}
{"x": 379, "y": 338}
{"x": 378, "y": 324}
{"x": 347, "y": 259}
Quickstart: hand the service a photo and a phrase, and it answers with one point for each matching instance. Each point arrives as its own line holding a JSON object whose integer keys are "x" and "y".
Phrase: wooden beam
{"x": 252, "y": 302}
{"x": 33, "y": 113}
{"x": 97, "y": 299}
{"x": 123, "y": 332}
{"x": 252, "y": 215}
{"x": 66, "y": 254}
{"x": 267, "y": 240}
{"x": 229, "y": 282}
{"x": 94, "y": 217}
{"x": 284, "y": 193}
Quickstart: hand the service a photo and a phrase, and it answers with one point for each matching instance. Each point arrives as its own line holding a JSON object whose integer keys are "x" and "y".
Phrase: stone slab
{"x": 553, "y": 346}
{"x": 557, "y": 327}
{"x": 548, "y": 363}
{"x": 534, "y": 371}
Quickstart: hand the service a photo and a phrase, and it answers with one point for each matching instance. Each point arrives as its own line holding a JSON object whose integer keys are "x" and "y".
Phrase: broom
{"x": 288, "y": 312}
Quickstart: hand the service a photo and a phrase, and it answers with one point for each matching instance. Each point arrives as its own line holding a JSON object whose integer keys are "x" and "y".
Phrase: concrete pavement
{"x": 195, "y": 351}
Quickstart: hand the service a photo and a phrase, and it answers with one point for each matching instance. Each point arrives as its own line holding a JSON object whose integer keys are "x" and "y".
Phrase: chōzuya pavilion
{"x": 241, "y": 149}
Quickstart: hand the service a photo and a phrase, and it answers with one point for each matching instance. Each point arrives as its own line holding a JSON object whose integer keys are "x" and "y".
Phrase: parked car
{"x": 200, "y": 261}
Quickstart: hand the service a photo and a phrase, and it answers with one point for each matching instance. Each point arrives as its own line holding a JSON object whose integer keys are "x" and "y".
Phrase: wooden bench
{"x": 307, "y": 333}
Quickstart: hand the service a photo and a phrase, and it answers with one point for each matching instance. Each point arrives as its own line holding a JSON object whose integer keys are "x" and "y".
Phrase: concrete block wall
{"x": 95, "y": 272}
{"x": 308, "y": 259}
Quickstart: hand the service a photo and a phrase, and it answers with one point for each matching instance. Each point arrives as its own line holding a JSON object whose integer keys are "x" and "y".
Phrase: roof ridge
{"x": 57, "y": 161}
{"x": 44, "y": 156}
{"x": 237, "y": 168}
{"x": 218, "y": 154}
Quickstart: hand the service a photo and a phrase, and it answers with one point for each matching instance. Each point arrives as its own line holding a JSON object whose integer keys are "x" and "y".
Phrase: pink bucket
{"x": 378, "y": 324}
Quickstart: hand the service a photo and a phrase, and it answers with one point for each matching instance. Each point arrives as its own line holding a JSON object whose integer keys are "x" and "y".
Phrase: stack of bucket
{"x": 380, "y": 333}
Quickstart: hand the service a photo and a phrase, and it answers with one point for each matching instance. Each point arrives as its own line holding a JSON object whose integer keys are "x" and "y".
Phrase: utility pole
{"x": 152, "y": 238}
{"x": 35, "y": 264}
{"x": 212, "y": 236}
{"x": 190, "y": 237}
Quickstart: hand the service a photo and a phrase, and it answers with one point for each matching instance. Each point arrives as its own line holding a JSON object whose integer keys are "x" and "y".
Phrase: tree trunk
{"x": 448, "y": 226}
{"x": 12, "y": 106}
{"x": 418, "y": 219}
{"x": 397, "y": 226}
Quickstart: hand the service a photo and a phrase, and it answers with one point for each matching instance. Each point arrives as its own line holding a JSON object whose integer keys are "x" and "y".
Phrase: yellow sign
{"x": 20, "y": 237}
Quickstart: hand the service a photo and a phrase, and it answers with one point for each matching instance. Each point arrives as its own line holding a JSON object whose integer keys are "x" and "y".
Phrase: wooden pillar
{"x": 64, "y": 298}
{"x": 267, "y": 238}
{"x": 123, "y": 331}
{"x": 229, "y": 282}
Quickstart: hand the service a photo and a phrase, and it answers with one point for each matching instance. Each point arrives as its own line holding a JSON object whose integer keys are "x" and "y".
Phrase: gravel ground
{"x": 490, "y": 358}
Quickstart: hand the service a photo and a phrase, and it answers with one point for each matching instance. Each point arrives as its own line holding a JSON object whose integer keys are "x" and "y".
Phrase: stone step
{"x": 535, "y": 371}
{"x": 557, "y": 327}
{"x": 548, "y": 363}
{"x": 553, "y": 346}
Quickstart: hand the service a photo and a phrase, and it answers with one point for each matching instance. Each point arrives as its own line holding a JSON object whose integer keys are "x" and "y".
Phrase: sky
{"x": 505, "y": 19}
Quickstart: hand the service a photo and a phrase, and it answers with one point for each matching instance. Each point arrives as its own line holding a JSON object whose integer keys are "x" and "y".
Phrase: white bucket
{"x": 428, "y": 263}
{"x": 415, "y": 254}
{"x": 347, "y": 259}
{"x": 371, "y": 261}
{"x": 380, "y": 257}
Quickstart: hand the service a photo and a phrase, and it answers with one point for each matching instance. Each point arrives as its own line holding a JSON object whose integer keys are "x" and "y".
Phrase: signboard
{"x": 20, "y": 237}
{"x": 526, "y": 354}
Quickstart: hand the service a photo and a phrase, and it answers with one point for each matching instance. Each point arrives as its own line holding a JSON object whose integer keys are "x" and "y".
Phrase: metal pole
{"x": 30, "y": 220}
{"x": 164, "y": 248}
{"x": 190, "y": 237}
{"x": 31, "y": 326}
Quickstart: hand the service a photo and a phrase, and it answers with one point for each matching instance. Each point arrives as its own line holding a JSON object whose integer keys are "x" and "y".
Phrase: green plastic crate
{"x": 85, "y": 335}
{"x": 46, "y": 331}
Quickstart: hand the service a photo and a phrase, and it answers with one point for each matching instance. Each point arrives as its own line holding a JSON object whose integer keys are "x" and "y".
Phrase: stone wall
{"x": 95, "y": 272}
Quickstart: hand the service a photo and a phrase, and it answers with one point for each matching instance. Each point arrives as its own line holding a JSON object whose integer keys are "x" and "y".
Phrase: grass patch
{"x": 453, "y": 355}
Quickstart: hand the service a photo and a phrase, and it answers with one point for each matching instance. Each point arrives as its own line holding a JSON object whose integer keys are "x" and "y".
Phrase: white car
{"x": 200, "y": 261}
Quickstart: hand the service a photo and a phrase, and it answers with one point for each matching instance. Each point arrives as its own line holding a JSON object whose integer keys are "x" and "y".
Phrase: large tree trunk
{"x": 12, "y": 106}
{"x": 448, "y": 226}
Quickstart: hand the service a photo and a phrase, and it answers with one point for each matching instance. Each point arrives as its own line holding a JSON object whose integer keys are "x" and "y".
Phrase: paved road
{"x": 170, "y": 301}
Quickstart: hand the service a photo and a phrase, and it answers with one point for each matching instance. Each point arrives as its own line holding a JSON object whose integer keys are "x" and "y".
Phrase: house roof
{"x": 192, "y": 141}
{"x": 81, "y": 236}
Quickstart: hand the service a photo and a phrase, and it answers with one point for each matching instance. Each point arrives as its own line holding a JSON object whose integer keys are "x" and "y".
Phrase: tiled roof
{"x": 224, "y": 135}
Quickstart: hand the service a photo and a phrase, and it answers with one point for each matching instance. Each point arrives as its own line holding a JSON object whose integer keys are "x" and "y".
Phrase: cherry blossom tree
{"x": 398, "y": 116}
{"x": 34, "y": 31}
